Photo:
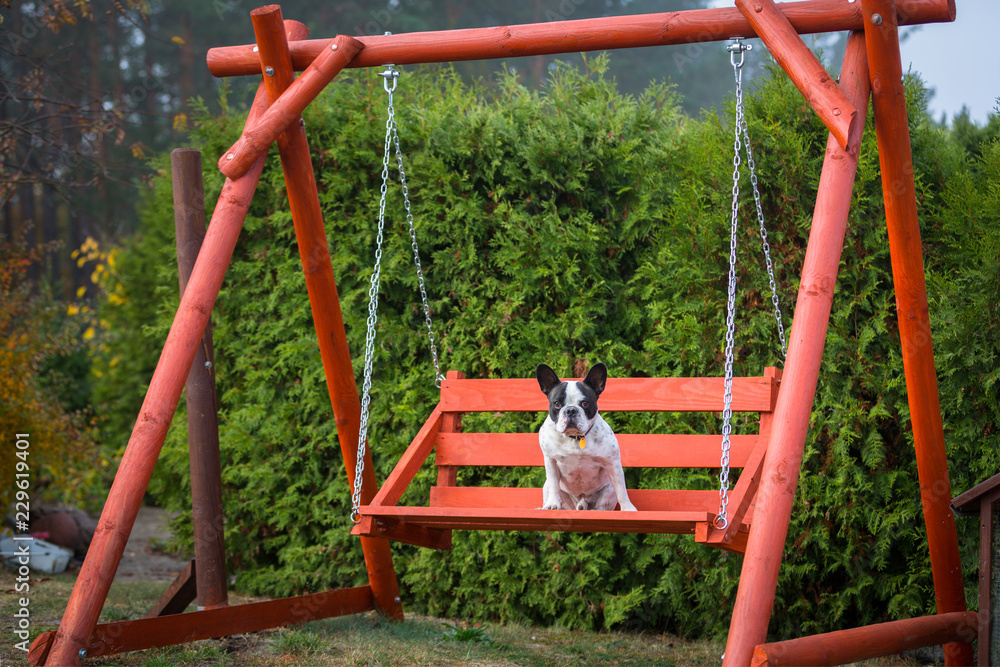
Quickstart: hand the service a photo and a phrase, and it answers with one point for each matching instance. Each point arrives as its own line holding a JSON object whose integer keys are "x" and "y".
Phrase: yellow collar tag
{"x": 583, "y": 443}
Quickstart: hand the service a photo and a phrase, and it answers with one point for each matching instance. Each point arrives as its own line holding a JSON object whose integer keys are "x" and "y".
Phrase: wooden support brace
{"x": 737, "y": 544}
{"x": 287, "y": 109}
{"x": 871, "y": 641}
{"x": 314, "y": 251}
{"x": 144, "y": 633}
{"x": 421, "y": 536}
{"x": 910, "y": 285}
{"x": 179, "y": 594}
{"x": 598, "y": 34}
{"x": 413, "y": 458}
{"x": 136, "y": 468}
{"x": 745, "y": 491}
{"x": 802, "y": 67}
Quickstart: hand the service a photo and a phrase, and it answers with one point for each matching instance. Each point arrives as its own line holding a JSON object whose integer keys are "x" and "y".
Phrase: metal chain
{"x": 763, "y": 240}
{"x": 366, "y": 384}
{"x": 416, "y": 250}
{"x": 722, "y": 518}
{"x": 390, "y": 77}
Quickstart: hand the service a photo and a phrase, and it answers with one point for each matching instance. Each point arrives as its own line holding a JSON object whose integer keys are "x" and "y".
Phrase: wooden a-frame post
{"x": 878, "y": 45}
{"x": 76, "y": 636}
{"x": 842, "y": 110}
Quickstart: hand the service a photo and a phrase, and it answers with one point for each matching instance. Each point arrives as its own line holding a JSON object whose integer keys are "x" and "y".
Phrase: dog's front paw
{"x": 550, "y": 506}
{"x": 629, "y": 508}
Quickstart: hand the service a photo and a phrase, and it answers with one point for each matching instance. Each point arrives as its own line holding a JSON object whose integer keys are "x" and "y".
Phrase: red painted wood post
{"x": 759, "y": 577}
{"x": 801, "y": 66}
{"x": 132, "y": 478}
{"x": 202, "y": 407}
{"x": 899, "y": 193}
{"x": 303, "y": 199}
{"x": 599, "y": 34}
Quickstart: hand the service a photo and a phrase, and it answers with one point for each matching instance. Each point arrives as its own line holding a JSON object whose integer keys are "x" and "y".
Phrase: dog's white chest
{"x": 582, "y": 470}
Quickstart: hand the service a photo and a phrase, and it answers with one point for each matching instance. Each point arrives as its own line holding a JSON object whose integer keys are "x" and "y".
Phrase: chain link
{"x": 765, "y": 246}
{"x": 390, "y": 76}
{"x": 416, "y": 250}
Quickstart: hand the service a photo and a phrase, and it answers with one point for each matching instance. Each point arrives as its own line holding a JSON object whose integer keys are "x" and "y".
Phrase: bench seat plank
{"x": 676, "y": 522}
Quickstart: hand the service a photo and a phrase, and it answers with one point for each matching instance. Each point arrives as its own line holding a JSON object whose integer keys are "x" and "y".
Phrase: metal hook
{"x": 737, "y": 47}
{"x": 389, "y": 73}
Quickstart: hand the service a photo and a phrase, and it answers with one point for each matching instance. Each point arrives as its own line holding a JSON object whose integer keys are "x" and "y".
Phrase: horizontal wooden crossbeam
{"x": 871, "y": 641}
{"x": 599, "y": 34}
{"x": 143, "y": 633}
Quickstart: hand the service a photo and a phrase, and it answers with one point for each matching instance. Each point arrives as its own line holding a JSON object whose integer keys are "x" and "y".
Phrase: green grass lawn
{"x": 363, "y": 639}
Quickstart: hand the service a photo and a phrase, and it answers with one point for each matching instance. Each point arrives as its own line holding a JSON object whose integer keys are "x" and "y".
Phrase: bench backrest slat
{"x": 638, "y": 450}
{"x": 705, "y": 394}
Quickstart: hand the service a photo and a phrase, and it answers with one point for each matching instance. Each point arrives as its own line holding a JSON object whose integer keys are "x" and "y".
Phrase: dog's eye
{"x": 586, "y": 404}
{"x": 557, "y": 404}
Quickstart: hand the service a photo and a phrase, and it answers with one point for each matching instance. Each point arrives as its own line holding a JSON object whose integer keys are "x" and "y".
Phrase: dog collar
{"x": 581, "y": 439}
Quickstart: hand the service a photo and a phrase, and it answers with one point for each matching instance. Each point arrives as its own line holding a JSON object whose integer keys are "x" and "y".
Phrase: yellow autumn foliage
{"x": 60, "y": 446}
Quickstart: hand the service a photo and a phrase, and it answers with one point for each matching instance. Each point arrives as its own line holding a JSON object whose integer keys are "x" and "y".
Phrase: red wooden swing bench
{"x": 679, "y": 511}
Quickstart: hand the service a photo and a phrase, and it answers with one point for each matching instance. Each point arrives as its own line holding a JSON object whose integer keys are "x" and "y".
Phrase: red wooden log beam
{"x": 287, "y": 109}
{"x": 599, "y": 34}
{"x": 899, "y": 193}
{"x": 801, "y": 66}
{"x": 759, "y": 576}
{"x": 303, "y": 199}
{"x": 136, "y": 468}
{"x": 144, "y": 633}
{"x": 871, "y": 641}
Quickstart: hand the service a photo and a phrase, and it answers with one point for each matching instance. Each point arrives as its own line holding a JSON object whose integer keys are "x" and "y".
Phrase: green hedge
{"x": 568, "y": 226}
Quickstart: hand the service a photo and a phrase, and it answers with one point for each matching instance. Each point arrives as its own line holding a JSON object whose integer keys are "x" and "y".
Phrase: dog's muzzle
{"x": 574, "y": 421}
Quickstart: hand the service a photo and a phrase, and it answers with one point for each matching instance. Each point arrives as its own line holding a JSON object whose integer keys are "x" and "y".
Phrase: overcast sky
{"x": 958, "y": 60}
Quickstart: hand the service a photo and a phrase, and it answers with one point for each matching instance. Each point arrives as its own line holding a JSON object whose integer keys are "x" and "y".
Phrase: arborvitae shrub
{"x": 569, "y": 226}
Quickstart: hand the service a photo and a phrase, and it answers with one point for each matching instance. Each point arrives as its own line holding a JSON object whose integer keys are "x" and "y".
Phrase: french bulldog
{"x": 583, "y": 465}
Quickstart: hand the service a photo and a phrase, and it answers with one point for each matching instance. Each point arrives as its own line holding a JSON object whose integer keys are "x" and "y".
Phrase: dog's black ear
{"x": 596, "y": 378}
{"x": 547, "y": 378}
